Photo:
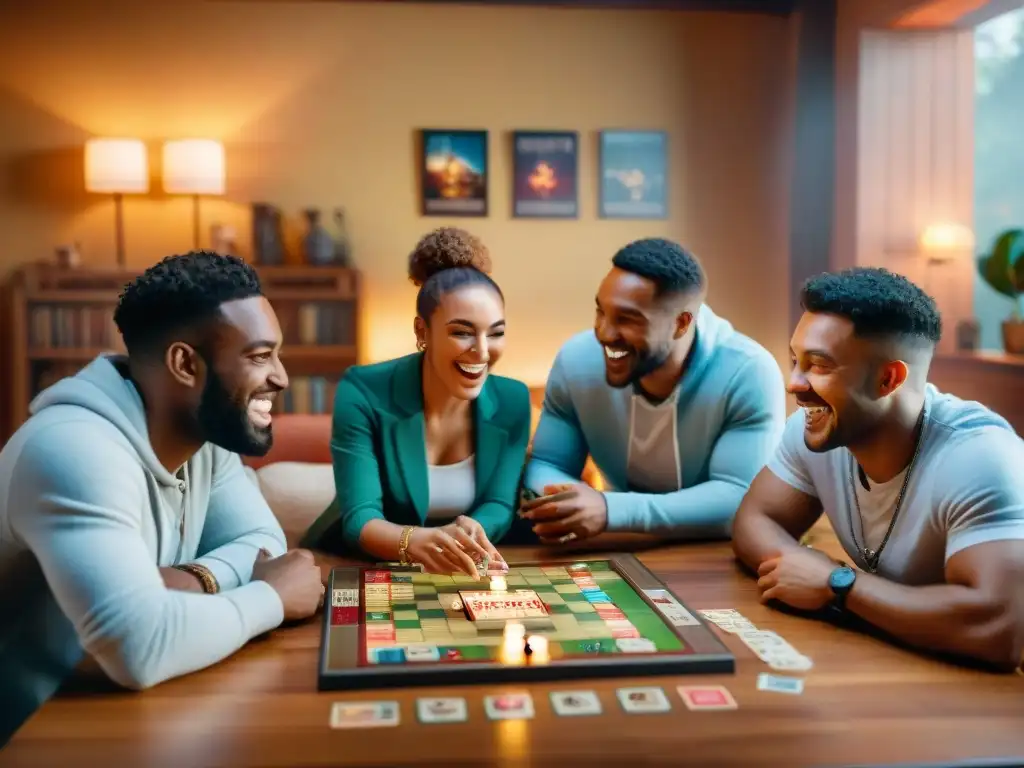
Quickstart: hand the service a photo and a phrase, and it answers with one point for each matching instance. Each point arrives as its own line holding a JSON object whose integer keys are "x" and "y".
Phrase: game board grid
{"x": 589, "y": 609}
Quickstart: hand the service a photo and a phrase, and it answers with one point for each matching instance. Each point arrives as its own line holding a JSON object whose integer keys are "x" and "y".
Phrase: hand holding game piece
{"x": 798, "y": 578}
{"x": 439, "y": 552}
{"x": 567, "y": 512}
{"x": 296, "y": 579}
{"x": 473, "y": 538}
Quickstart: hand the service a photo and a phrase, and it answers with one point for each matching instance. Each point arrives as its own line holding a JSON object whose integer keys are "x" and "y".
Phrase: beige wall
{"x": 905, "y": 147}
{"x": 318, "y": 102}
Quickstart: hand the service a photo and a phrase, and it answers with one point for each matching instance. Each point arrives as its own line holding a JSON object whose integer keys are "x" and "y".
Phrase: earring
{"x": 421, "y": 346}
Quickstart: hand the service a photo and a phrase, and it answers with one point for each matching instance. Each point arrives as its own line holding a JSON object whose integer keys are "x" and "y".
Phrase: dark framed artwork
{"x": 633, "y": 169}
{"x": 545, "y": 174}
{"x": 453, "y": 164}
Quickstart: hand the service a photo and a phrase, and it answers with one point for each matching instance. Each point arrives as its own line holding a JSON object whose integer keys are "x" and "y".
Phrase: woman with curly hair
{"x": 428, "y": 448}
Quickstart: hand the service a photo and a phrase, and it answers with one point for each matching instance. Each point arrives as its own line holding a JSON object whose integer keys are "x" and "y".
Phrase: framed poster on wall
{"x": 545, "y": 173}
{"x": 633, "y": 174}
{"x": 453, "y": 168}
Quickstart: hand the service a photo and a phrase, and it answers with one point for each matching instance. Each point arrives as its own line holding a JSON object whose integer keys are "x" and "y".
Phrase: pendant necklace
{"x": 872, "y": 556}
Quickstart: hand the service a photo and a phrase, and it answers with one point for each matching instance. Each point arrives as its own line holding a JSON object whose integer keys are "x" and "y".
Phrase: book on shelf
{"x": 308, "y": 394}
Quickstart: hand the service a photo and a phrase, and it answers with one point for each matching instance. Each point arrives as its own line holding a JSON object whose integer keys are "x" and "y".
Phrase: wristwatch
{"x": 840, "y": 581}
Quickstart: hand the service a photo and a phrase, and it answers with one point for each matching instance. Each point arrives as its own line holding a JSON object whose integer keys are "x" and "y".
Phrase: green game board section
{"x": 415, "y": 616}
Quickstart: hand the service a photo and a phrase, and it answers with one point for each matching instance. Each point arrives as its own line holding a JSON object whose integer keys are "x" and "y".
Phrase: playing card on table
{"x": 775, "y": 651}
{"x": 706, "y": 697}
{"x": 575, "y": 703}
{"x": 780, "y": 684}
{"x": 442, "y": 710}
{"x": 509, "y": 706}
{"x": 728, "y": 620}
{"x": 364, "y": 714}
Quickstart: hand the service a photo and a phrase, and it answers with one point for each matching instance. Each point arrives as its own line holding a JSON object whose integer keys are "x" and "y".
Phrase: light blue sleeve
{"x": 559, "y": 450}
{"x": 979, "y": 490}
{"x": 239, "y": 522}
{"x": 755, "y": 413}
{"x": 787, "y": 463}
{"x": 78, "y": 500}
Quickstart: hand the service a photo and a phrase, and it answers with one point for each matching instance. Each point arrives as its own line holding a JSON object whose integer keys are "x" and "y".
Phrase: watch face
{"x": 842, "y": 578}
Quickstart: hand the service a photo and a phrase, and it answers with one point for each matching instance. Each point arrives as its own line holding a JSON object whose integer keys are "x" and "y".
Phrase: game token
{"x": 364, "y": 714}
{"x": 706, "y": 697}
{"x": 575, "y": 703}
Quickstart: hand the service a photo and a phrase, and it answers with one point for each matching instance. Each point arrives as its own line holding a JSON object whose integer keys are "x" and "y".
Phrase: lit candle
{"x": 538, "y": 648}
{"x": 515, "y": 630}
{"x": 498, "y": 584}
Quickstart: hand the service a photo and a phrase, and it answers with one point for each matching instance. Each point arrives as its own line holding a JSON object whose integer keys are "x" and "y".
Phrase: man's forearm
{"x": 756, "y": 538}
{"x": 946, "y": 618}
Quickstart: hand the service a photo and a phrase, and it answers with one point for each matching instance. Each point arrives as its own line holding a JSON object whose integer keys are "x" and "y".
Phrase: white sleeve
{"x": 78, "y": 502}
{"x": 979, "y": 489}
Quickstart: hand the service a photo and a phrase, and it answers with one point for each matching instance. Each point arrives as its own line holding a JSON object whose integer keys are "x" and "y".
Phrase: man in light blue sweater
{"x": 677, "y": 409}
{"x": 129, "y": 532}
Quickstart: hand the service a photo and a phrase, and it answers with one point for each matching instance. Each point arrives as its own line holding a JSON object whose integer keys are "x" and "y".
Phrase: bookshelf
{"x": 61, "y": 319}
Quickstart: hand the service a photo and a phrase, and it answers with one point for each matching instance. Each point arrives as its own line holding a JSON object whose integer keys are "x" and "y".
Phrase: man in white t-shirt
{"x": 925, "y": 491}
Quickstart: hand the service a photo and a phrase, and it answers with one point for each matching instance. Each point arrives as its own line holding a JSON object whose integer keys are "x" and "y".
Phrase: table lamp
{"x": 194, "y": 167}
{"x": 946, "y": 241}
{"x": 116, "y": 167}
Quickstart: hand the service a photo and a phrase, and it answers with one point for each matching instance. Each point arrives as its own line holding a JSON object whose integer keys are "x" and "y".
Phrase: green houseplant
{"x": 1003, "y": 270}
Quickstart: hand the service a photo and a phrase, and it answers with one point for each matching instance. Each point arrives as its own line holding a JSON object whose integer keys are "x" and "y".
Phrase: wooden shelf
{"x": 61, "y": 319}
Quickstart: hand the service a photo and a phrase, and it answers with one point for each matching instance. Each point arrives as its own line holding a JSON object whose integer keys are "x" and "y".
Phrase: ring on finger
{"x": 571, "y": 536}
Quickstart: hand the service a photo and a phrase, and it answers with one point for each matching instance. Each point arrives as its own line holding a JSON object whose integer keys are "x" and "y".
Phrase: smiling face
{"x": 244, "y": 376}
{"x": 843, "y": 382}
{"x": 465, "y": 338}
{"x": 636, "y": 329}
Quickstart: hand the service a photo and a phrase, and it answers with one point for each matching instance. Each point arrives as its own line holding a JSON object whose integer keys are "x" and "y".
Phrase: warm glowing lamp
{"x": 116, "y": 167}
{"x": 946, "y": 241}
{"x": 194, "y": 167}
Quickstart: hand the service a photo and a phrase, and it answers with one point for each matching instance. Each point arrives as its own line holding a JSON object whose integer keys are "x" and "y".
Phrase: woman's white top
{"x": 452, "y": 489}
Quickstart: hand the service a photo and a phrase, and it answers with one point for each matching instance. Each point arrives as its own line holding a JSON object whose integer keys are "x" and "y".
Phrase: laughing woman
{"x": 428, "y": 448}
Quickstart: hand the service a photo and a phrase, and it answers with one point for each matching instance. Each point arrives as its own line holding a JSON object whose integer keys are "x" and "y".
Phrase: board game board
{"x": 608, "y": 617}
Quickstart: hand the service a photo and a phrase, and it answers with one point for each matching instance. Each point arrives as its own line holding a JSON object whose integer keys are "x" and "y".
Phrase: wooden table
{"x": 866, "y": 702}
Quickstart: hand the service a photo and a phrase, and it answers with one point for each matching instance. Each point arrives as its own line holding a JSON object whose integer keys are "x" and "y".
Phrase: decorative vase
{"x": 317, "y": 245}
{"x": 968, "y": 335}
{"x": 1013, "y": 336}
{"x": 267, "y": 237}
{"x": 342, "y": 251}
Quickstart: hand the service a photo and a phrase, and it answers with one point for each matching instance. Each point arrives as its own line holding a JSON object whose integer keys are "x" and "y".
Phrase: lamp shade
{"x": 114, "y": 166}
{"x": 194, "y": 167}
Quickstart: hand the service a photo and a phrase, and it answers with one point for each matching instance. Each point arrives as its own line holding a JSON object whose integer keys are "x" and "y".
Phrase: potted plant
{"x": 1003, "y": 270}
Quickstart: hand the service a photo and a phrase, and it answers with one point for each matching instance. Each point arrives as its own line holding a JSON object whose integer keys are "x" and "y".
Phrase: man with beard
{"x": 129, "y": 534}
{"x": 677, "y": 409}
{"x": 924, "y": 491}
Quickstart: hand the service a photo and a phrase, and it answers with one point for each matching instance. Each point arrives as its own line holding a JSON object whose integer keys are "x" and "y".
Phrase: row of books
{"x": 66, "y": 326}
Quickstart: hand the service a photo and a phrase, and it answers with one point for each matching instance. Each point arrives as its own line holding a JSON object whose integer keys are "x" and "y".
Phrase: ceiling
{"x": 772, "y": 7}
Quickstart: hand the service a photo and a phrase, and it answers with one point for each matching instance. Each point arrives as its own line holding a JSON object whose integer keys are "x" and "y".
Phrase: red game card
{"x": 706, "y": 697}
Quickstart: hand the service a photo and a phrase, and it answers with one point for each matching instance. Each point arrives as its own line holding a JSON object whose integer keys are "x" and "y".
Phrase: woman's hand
{"x": 438, "y": 551}
{"x": 473, "y": 538}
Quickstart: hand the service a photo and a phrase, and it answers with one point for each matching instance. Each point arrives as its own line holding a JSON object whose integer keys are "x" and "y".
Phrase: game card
{"x": 509, "y": 706}
{"x": 575, "y": 703}
{"x": 489, "y": 606}
{"x": 780, "y": 683}
{"x": 644, "y": 700}
{"x": 364, "y": 714}
{"x": 450, "y": 709}
{"x": 705, "y": 697}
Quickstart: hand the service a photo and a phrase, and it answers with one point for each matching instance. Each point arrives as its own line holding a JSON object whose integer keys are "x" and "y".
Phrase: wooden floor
{"x": 866, "y": 702}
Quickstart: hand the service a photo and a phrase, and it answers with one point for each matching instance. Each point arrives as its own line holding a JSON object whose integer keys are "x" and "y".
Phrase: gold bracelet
{"x": 403, "y": 544}
{"x": 204, "y": 574}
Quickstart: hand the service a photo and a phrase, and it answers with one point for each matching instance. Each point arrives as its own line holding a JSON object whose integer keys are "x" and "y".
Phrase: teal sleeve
{"x": 356, "y": 471}
{"x": 497, "y": 509}
{"x": 755, "y": 417}
{"x": 239, "y": 523}
{"x": 78, "y": 502}
{"x": 559, "y": 450}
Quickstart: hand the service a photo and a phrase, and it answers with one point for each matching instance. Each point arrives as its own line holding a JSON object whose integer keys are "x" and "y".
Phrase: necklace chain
{"x": 872, "y": 556}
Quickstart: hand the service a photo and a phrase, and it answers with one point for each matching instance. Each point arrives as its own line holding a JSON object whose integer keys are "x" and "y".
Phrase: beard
{"x": 645, "y": 362}
{"x": 223, "y": 419}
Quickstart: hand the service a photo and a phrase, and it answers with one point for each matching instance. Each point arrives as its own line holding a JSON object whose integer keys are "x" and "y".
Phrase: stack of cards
{"x": 779, "y": 684}
{"x": 767, "y": 646}
{"x": 364, "y": 714}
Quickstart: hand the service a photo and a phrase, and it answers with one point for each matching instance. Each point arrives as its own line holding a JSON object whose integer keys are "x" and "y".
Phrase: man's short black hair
{"x": 178, "y": 292}
{"x": 672, "y": 268}
{"x": 879, "y": 303}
